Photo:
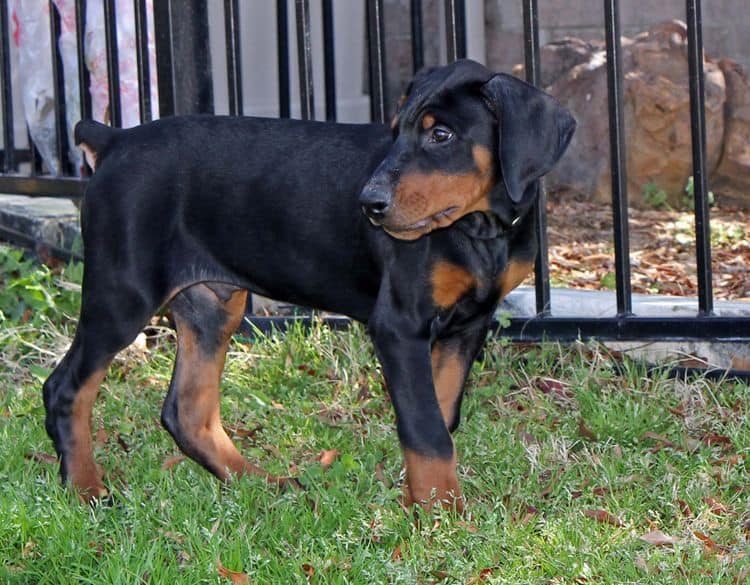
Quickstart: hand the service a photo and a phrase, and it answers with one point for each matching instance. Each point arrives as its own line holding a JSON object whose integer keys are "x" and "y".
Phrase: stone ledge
{"x": 50, "y": 220}
{"x": 592, "y": 303}
{"x": 585, "y": 303}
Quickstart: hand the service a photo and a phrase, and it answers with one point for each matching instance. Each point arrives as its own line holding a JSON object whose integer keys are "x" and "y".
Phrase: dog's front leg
{"x": 402, "y": 343}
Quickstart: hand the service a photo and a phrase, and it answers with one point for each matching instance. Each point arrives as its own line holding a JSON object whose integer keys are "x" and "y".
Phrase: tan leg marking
{"x": 83, "y": 472}
{"x": 198, "y": 376}
{"x": 513, "y": 275}
{"x": 431, "y": 481}
{"x": 448, "y": 374}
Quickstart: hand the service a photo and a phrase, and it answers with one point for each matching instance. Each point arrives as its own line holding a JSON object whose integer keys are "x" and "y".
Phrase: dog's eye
{"x": 440, "y": 134}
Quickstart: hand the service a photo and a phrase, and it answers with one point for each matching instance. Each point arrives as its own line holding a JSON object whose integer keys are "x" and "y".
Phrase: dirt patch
{"x": 662, "y": 249}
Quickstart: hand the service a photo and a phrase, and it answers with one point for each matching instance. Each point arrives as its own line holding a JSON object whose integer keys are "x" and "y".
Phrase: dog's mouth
{"x": 414, "y": 230}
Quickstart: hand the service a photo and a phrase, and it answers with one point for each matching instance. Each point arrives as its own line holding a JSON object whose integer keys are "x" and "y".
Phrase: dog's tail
{"x": 92, "y": 138}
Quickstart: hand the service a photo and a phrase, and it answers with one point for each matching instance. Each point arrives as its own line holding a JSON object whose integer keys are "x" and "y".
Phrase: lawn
{"x": 579, "y": 467}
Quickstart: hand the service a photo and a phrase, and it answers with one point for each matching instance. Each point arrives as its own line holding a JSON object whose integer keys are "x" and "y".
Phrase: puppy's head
{"x": 464, "y": 140}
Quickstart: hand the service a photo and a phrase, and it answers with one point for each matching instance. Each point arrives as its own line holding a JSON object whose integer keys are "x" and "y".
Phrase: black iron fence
{"x": 185, "y": 86}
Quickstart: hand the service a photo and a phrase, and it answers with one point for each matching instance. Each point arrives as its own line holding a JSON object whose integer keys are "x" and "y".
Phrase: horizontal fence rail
{"x": 185, "y": 84}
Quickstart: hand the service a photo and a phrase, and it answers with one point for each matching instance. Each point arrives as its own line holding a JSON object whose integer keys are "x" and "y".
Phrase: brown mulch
{"x": 662, "y": 249}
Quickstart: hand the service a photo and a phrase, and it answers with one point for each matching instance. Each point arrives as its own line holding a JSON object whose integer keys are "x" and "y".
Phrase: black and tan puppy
{"x": 416, "y": 230}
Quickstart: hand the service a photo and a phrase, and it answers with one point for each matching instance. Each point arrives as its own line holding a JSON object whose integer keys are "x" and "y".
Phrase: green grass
{"x": 550, "y": 437}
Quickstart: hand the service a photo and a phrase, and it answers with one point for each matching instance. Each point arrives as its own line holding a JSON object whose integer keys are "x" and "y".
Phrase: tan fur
{"x": 431, "y": 481}
{"x": 449, "y": 283}
{"x": 513, "y": 275}
{"x": 448, "y": 373}
{"x": 423, "y": 195}
{"x": 428, "y": 121}
{"x": 198, "y": 375}
{"x": 83, "y": 472}
{"x": 89, "y": 154}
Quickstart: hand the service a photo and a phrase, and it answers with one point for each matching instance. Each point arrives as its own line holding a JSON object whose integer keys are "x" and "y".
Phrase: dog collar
{"x": 486, "y": 225}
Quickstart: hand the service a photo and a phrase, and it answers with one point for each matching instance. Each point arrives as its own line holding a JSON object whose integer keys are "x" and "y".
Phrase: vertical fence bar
{"x": 35, "y": 157}
{"x": 113, "y": 64}
{"x": 58, "y": 89}
{"x": 83, "y": 72}
{"x": 304, "y": 58}
{"x": 417, "y": 36}
{"x": 455, "y": 20}
{"x": 376, "y": 55}
{"x": 533, "y": 76}
{"x": 617, "y": 157}
{"x": 329, "y": 60}
{"x": 698, "y": 129}
{"x": 9, "y": 143}
{"x": 183, "y": 57}
{"x": 282, "y": 50}
{"x": 163, "y": 41}
{"x": 141, "y": 55}
{"x": 234, "y": 56}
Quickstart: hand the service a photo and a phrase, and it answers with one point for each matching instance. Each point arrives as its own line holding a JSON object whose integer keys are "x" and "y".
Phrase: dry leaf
{"x": 123, "y": 444}
{"x": 730, "y": 460}
{"x": 468, "y": 526}
{"x": 531, "y": 512}
{"x": 604, "y": 517}
{"x": 327, "y": 457}
{"x": 585, "y": 432}
{"x": 182, "y": 559}
{"x": 101, "y": 438}
{"x": 553, "y": 387}
{"x": 743, "y": 576}
{"x": 380, "y": 471}
{"x": 658, "y": 538}
{"x": 707, "y": 541}
{"x": 171, "y": 461}
{"x": 684, "y": 508}
{"x": 716, "y": 506}
{"x": 396, "y": 554}
{"x": 527, "y": 438}
{"x": 308, "y": 570}
{"x": 28, "y": 549}
{"x": 661, "y": 439}
{"x": 242, "y": 433}
{"x": 215, "y": 526}
{"x": 716, "y": 439}
{"x": 309, "y": 370}
{"x": 236, "y": 577}
{"x": 41, "y": 457}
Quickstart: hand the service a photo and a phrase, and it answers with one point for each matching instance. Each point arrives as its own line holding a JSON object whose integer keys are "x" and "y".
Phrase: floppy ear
{"x": 534, "y": 131}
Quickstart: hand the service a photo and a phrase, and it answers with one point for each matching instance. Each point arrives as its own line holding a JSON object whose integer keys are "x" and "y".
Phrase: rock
{"x": 732, "y": 177}
{"x": 656, "y": 107}
{"x": 562, "y": 56}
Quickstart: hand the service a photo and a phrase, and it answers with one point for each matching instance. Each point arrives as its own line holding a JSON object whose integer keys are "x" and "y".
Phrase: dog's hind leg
{"x": 205, "y": 315}
{"x": 112, "y": 315}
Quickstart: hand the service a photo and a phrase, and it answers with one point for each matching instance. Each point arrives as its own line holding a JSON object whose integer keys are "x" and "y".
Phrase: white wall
{"x": 260, "y": 63}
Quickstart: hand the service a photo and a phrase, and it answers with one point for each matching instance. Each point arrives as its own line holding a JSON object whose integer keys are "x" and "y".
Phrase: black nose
{"x": 376, "y": 201}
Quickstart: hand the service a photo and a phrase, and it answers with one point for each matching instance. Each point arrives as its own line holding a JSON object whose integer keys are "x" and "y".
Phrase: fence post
{"x": 183, "y": 57}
